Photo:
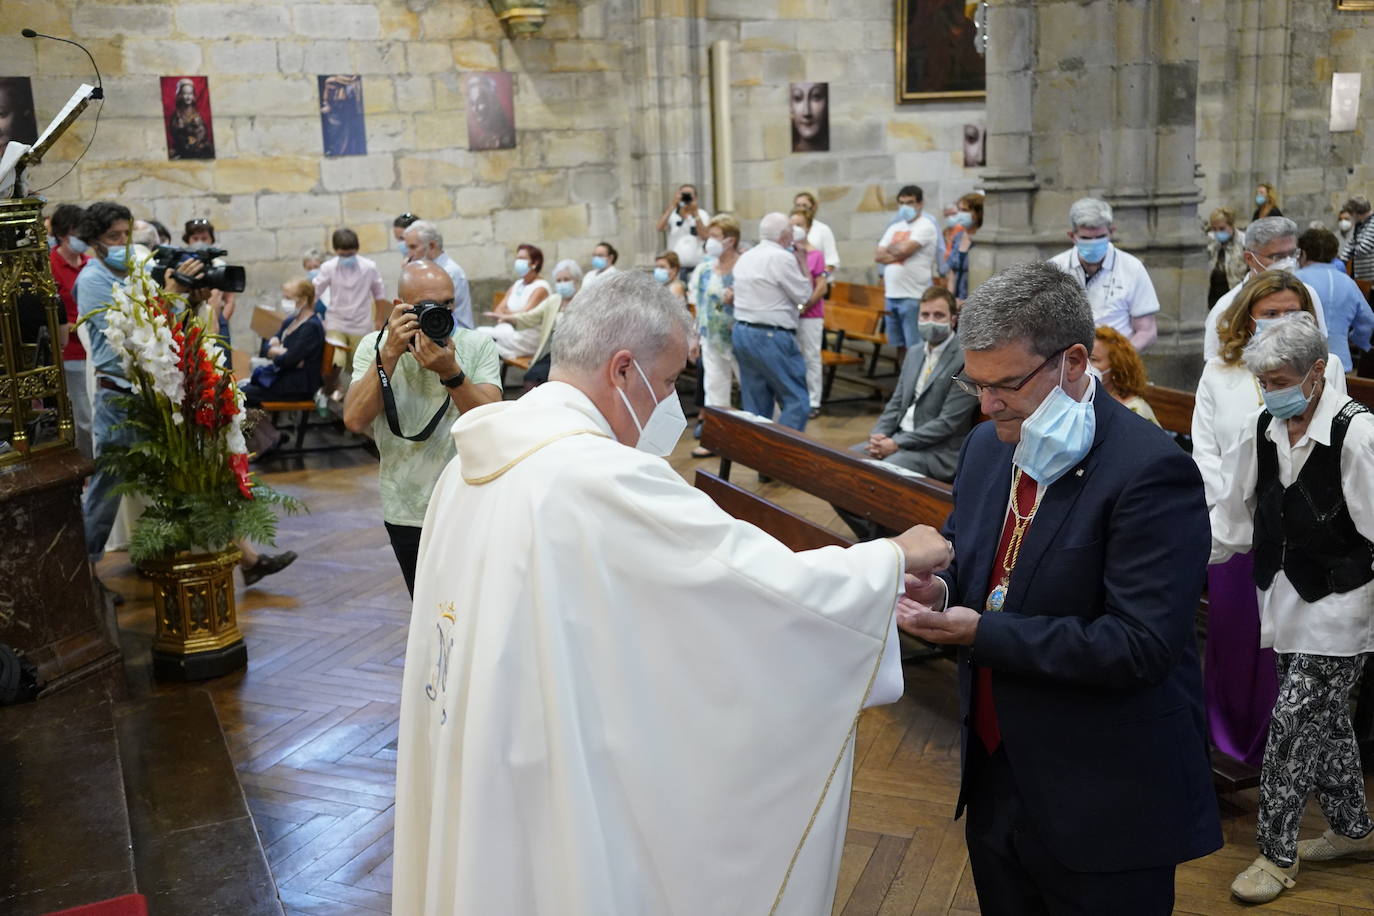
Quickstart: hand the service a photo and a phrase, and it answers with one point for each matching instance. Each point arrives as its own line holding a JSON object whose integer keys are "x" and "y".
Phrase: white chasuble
{"x": 618, "y": 699}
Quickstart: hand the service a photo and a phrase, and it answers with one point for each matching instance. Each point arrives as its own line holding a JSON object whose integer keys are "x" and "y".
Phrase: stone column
{"x": 1114, "y": 117}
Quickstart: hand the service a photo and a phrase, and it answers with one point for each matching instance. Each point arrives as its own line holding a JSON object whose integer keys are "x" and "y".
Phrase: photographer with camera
{"x": 410, "y": 382}
{"x": 685, "y": 222}
{"x": 199, "y": 235}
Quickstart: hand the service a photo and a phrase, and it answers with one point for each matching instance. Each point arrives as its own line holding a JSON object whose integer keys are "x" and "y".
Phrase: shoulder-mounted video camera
{"x": 226, "y": 277}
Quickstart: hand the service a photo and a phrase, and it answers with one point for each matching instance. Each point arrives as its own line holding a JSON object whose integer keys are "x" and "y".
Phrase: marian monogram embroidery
{"x": 440, "y": 653}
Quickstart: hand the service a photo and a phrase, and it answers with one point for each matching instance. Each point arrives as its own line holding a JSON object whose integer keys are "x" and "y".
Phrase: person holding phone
{"x": 685, "y": 222}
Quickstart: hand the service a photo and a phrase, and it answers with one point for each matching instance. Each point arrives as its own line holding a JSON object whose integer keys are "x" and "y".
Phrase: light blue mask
{"x": 1264, "y": 324}
{"x": 1260, "y": 199}
{"x": 1287, "y": 402}
{"x": 661, "y": 274}
{"x": 522, "y": 266}
{"x": 117, "y": 259}
{"x": 1057, "y": 435}
{"x": 1222, "y": 236}
{"x": 564, "y": 288}
{"x": 906, "y": 213}
{"x": 75, "y": 244}
{"x": 963, "y": 218}
{"x": 1091, "y": 251}
{"x": 312, "y": 274}
{"x": 350, "y": 261}
{"x": 598, "y": 262}
{"x": 401, "y": 246}
{"x": 52, "y": 242}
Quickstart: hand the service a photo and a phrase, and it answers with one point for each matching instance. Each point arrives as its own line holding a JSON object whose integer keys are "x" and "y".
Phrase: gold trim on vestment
{"x": 488, "y": 478}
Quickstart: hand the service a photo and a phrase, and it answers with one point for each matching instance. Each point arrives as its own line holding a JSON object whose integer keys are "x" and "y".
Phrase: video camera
{"x": 226, "y": 277}
{"x": 436, "y": 319}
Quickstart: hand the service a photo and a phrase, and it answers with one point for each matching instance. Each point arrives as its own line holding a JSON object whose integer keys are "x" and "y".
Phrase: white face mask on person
{"x": 660, "y": 433}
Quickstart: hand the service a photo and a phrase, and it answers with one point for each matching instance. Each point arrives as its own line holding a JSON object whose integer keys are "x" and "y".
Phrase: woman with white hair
{"x": 1302, "y": 496}
{"x": 542, "y": 318}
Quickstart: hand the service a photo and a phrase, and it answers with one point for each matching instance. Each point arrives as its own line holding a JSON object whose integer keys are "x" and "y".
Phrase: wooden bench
{"x": 855, "y": 295}
{"x": 796, "y": 532}
{"x": 843, "y": 322}
{"x": 303, "y": 408}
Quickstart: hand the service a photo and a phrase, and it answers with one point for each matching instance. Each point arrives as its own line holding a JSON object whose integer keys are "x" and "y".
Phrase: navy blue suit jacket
{"x": 1094, "y": 664}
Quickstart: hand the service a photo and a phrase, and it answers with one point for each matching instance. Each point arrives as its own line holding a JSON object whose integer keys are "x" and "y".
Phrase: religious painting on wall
{"x": 975, "y": 149}
{"x": 809, "y": 106}
{"x": 936, "y": 53}
{"x": 18, "y": 120}
{"x": 341, "y": 114}
{"x": 490, "y": 99}
{"x": 186, "y": 114}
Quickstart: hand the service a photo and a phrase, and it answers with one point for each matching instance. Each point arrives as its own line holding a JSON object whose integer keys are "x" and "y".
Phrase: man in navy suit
{"x": 1081, "y": 541}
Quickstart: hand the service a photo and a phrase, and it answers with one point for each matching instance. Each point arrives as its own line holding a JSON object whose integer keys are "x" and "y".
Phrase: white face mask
{"x": 714, "y": 248}
{"x": 798, "y": 234}
{"x": 1288, "y": 264}
{"x": 1344, "y": 225}
{"x": 288, "y": 305}
{"x": 658, "y": 436}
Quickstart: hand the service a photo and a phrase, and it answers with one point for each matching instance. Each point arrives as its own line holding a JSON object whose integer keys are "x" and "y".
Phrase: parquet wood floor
{"x": 312, "y": 728}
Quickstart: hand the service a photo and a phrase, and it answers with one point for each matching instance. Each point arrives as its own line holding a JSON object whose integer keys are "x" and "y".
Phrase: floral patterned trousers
{"x": 1311, "y": 747}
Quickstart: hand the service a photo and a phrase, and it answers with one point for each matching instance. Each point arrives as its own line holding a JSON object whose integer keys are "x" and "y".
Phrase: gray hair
{"x": 1263, "y": 231}
{"x": 428, "y": 232}
{"x": 571, "y": 266}
{"x": 1295, "y": 341}
{"x": 772, "y": 226}
{"x": 1036, "y": 303}
{"x": 625, "y": 311}
{"x": 1090, "y": 213}
{"x": 144, "y": 234}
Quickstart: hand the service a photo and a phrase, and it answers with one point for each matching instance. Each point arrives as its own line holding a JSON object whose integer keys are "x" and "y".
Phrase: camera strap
{"x": 393, "y": 419}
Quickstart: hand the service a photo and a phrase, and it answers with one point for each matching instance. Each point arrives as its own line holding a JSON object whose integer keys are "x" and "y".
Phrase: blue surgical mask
{"x": 312, "y": 274}
{"x": 117, "y": 258}
{"x": 52, "y": 242}
{"x": 350, "y": 261}
{"x": 75, "y": 244}
{"x": 906, "y": 213}
{"x": 1222, "y": 236}
{"x": 1091, "y": 251}
{"x": 565, "y": 288}
{"x": 1057, "y": 435}
{"x": 522, "y": 266}
{"x": 963, "y": 218}
{"x": 1260, "y": 199}
{"x": 661, "y": 274}
{"x": 598, "y": 262}
{"x": 401, "y": 246}
{"x": 1264, "y": 324}
{"x": 1287, "y": 402}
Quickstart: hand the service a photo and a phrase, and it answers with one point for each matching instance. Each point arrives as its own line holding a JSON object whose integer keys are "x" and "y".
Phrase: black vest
{"x": 1306, "y": 529}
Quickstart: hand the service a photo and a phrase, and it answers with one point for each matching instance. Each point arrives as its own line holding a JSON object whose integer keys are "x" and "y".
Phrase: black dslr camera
{"x": 226, "y": 277}
{"x": 435, "y": 318}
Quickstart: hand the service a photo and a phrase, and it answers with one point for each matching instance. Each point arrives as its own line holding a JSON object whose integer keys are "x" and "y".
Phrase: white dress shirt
{"x": 1119, "y": 291}
{"x": 770, "y": 285}
{"x": 1228, "y": 400}
{"x": 822, "y": 238}
{"x": 1339, "y": 624}
{"x": 1211, "y": 340}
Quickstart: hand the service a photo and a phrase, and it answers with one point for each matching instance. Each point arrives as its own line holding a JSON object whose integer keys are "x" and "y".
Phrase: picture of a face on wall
{"x": 186, "y": 114}
{"x": 936, "y": 56}
{"x": 809, "y": 105}
{"x": 490, "y": 99}
{"x": 341, "y": 115}
{"x": 975, "y": 150}
{"x": 17, "y": 119}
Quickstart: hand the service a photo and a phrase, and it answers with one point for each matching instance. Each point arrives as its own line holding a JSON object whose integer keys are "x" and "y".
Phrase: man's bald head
{"x": 423, "y": 281}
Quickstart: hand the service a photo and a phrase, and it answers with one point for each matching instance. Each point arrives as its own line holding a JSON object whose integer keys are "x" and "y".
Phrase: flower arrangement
{"x": 190, "y": 460}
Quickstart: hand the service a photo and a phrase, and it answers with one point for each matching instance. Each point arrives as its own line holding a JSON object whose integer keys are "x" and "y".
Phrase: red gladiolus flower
{"x": 239, "y": 465}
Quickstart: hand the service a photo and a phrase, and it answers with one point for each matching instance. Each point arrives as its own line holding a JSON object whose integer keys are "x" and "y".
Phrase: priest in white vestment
{"x": 618, "y": 699}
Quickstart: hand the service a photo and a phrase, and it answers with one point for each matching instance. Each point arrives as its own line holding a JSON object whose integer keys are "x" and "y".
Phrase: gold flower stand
{"x": 197, "y": 627}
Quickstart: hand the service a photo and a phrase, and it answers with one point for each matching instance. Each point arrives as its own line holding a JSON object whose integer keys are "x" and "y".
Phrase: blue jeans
{"x": 771, "y": 371}
{"x": 101, "y": 504}
{"x": 903, "y": 322}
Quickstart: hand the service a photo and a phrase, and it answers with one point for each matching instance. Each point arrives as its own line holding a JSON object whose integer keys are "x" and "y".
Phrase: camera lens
{"x": 436, "y": 321}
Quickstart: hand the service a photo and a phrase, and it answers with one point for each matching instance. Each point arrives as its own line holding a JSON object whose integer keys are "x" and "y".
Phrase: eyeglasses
{"x": 977, "y": 390}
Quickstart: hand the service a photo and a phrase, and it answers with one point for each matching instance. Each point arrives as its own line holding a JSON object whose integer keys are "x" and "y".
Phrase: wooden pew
{"x": 844, "y": 322}
{"x": 871, "y": 298}
{"x": 842, "y": 478}
{"x": 796, "y": 532}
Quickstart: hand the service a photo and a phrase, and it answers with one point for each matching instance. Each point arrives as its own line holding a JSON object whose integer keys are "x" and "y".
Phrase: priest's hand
{"x": 954, "y": 626}
{"x": 925, "y": 549}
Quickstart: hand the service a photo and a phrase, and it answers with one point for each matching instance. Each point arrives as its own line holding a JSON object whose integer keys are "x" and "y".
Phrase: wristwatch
{"x": 454, "y": 381}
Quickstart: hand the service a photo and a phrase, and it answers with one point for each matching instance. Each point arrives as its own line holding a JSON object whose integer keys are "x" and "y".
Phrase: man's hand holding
{"x": 441, "y": 360}
{"x": 925, "y": 549}
{"x": 956, "y": 626}
{"x": 187, "y": 268}
{"x": 400, "y": 328}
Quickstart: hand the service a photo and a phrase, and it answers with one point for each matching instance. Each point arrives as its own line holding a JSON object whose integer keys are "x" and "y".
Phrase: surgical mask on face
{"x": 564, "y": 288}
{"x": 52, "y": 242}
{"x": 714, "y": 248}
{"x": 401, "y": 247}
{"x": 288, "y": 305}
{"x": 661, "y": 274}
{"x": 313, "y": 273}
{"x": 1091, "y": 251}
{"x": 1289, "y": 264}
{"x": 906, "y": 213}
{"x": 1344, "y": 225}
{"x": 933, "y": 332}
{"x": 1057, "y": 435}
{"x": 1260, "y": 199}
{"x": 660, "y": 434}
{"x": 75, "y": 244}
{"x": 598, "y": 262}
{"x": 349, "y": 261}
{"x": 117, "y": 258}
{"x": 798, "y": 234}
{"x": 522, "y": 266}
{"x": 1288, "y": 402}
{"x": 963, "y": 218}
{"x": 1264, "y": 324}
{"x": 1222, "y": 236}
{"x": 198, "y": 246}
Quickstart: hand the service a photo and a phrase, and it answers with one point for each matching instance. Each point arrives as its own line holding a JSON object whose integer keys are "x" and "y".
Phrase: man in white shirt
{"x": 771, "y": 285}
{"x": 1118, "y": 285}
{"x": 423, "y": 242}
{"x": 1271, "y": 243}
{"x": 604, "y": 257}
{"x": 907, "y": 253}
{"x": 685, "y": 221}
{"x": 821, "y": 237}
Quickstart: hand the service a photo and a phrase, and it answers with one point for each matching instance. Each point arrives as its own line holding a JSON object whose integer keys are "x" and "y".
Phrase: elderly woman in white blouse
{"x": 1302, "y": 494}
{"x": 1239, "y": 683}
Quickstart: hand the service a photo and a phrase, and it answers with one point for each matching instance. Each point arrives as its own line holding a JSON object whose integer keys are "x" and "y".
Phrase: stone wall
{"x": 612, "y": 111}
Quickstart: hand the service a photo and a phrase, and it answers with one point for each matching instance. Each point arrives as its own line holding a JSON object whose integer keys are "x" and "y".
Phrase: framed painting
{"x": 936, "y": 56}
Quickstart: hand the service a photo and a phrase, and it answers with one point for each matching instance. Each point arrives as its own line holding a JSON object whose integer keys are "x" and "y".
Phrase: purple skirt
{"x": 1240, "y": 682}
